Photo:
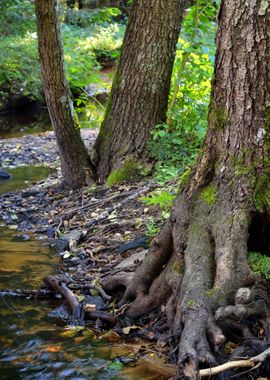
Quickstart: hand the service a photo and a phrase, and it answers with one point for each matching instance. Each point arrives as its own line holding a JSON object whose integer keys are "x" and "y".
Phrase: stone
{"x": 4, "y": 174}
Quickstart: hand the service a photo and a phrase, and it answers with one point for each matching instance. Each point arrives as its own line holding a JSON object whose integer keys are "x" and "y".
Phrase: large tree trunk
{"x": 199, "y": 260}
{"x": 75, "y": 162}
{"x": 141, "y": 86}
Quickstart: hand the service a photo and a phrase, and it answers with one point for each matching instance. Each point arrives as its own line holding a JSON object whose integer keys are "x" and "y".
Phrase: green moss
{"x": 259, "y": 264}
{"x": 128, "y": 170}
{"x": 184, "y": 178}
{"x": 209, "y": 194}
{"x": 261, "y": 198}
{"x": 178, "y": 268}
{"x": 210, "y": 293}
{"x": 191, "y": 303}
{"x": 218, "y": 117}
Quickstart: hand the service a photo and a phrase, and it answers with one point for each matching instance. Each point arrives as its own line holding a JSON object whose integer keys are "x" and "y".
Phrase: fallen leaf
{"x": 13, "y": 227}
{"x": 80, "y": 298}
{"x": 161, "y": 343}
{"x": 90, "y": 307}
{"x": 93, "y": 292}
{"x": 53, "y": 348}
{"x": 230, "y": 347}
{"x": 126, "y": 330}
{"x": 150, "y": 335}
{"x": 111, "y": 335}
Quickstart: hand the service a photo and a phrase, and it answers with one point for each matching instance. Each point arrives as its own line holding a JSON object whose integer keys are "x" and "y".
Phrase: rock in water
{"x": 4, "y": 174}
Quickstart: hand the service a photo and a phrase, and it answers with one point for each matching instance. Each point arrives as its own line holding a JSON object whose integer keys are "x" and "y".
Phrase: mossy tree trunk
{"x": 198, "y": 262}
{"x": 75, "y": 162}
{"x": 141, "y": 86}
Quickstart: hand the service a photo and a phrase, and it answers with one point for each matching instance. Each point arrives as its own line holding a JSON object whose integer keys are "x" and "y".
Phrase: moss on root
{"x": 178, "y": 268}
{"x": 261, "y": 198}
{"x": 184, "y": 178}
{"x": 210, "y": 194}
{"x": 127, "y": 171}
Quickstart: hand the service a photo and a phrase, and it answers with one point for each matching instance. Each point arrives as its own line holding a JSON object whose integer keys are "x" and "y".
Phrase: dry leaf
{"x": 126, "y": 330}
{"x": 53, "y": 348}
{"x": 111, "y": 335}
{"x": 80, "y": 298}
{"x": 230, "y": 347}
{"x": 90, "y": 307}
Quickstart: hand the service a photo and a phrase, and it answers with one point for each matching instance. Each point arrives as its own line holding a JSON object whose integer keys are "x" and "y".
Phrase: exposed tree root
{"x": 195, "y": 267}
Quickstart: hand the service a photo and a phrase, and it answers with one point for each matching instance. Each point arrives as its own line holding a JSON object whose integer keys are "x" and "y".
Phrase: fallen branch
{"x": 56, "y": 284}
{"x": 252, "y": 362}
{"x": 102, "y": 315}
{"x": 78, "y": 311}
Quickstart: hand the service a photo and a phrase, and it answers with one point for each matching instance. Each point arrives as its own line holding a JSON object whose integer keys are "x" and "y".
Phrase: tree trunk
{"x": 141, "y": 86}
{"x": 198, "y": 262}
{"x": 75, "y": 162}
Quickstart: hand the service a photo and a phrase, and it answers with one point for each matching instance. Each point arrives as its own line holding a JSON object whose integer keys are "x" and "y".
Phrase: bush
{"x": 20, "y": 76}
{"x": 175, "y": 144}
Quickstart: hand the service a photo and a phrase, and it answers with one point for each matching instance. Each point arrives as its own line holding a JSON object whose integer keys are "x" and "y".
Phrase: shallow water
{"x": 34, "y": 347}
{"x": 24, "y": 259}
{"x": 23, "y": 177}
{"x": 37, "y": 347}
{"x": 24, "y": 122}
{"x": 31, "y": 121}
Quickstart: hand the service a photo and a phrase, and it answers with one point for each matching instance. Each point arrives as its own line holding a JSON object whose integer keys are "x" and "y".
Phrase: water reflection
{"x": 27, "y": 121}
{"x": 23, "y": 177}
{"x": 24, "y": 260}
{"x": 33, "y": 348}
{"x": 33, "y": 120}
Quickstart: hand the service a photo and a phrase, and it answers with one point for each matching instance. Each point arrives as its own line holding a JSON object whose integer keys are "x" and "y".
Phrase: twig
{"x": 252, "y": 362}
{"x": 99, "y": 289}
{"x": 106, "y": 213}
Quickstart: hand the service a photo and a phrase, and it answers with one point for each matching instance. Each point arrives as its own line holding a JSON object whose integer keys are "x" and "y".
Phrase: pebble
{"x": 75, "y": 259}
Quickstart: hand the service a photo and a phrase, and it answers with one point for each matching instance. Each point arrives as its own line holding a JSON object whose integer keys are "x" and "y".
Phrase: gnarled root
{"x": 195, "y": 267}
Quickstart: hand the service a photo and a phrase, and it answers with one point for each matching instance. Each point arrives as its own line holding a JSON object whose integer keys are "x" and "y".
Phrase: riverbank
{"x": 96, "y": 230}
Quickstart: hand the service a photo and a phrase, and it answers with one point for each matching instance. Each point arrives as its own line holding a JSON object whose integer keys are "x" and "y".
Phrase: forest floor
{"x": 96, "y": 231}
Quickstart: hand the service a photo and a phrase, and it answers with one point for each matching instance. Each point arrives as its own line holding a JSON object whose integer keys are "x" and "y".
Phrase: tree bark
{"x": 198, "y": 262}
{"x": 141, "y": 86}
{"x": 75, "y": 162}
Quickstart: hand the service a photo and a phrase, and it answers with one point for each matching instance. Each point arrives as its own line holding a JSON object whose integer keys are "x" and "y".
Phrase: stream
{"x": 36, "y": 120}
{"x": 34, "y": 345}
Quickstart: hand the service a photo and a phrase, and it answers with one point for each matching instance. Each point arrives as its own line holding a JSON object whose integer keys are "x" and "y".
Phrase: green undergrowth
{"x": 260, "y": 264}
{"x": 160, "y": 197}
{"x": 175, "y": 144}
{"x": 20, "y": 75}
{"x": 164, "y": 199}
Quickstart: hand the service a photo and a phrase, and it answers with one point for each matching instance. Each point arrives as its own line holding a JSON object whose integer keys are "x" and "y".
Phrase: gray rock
{"x": 75, "y": 259}
{"x": 73, "y": 235}
{"x": 4, "y": 174}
